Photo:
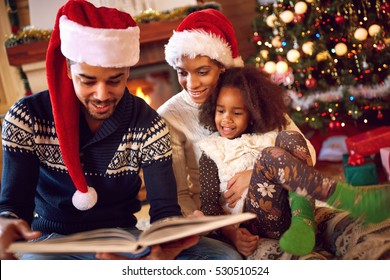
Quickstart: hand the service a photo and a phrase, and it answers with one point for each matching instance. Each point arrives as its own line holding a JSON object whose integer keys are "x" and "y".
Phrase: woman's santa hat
{"x": 206, "y": 32}
{"x": 83, "y": 33}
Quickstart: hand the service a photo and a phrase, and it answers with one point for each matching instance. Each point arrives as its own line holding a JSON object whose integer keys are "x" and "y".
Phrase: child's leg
{"x": 300, "y": 238}
{"x": 280, "y": 167}
{"x": 270, "y": 201}
{"x": 271, "y": 206}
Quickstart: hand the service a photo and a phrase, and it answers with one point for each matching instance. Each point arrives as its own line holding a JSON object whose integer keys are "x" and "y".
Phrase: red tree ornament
{"x": 339, "y": 19}
{"x": 256, "y": 38}
{"x": 385, "y": 7}
{"x": 311, "y": 83}
{"x": 380, "y": 46}
{"x": 298, "y": 18}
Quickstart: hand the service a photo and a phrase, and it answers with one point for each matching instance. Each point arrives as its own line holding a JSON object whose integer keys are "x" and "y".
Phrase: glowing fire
{"x": 141, "y": 94}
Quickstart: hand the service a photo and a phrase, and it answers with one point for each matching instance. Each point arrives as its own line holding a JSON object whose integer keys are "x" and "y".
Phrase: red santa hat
{"x": 84, "y": 33}
{"x": 206, "y": 32}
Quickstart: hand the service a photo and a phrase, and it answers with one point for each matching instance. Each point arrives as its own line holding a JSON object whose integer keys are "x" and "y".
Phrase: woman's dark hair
{"x": 263, "y": 98}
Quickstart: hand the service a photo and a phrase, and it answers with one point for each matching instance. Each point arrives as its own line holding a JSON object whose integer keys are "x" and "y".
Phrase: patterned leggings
{"x": 266, "y": 197}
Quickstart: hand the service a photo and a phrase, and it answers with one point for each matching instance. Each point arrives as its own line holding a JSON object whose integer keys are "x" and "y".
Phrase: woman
{"x": 203, "y": 46}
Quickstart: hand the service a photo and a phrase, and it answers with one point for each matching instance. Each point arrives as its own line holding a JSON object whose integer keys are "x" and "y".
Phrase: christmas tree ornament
{"x": 270, "y": 67}
{"x": 385, "y": 7}
{"x": 293, "y": 55}
{"x": 310, "y": 82}
{"x": 256, "y": 38}
{"x": 281, "y": 67}
{"x": 276, "y": 42}
{"x": 270, "y": 20}
{"x": 374, "y": 30}
{"x": 339, "y": 19}
{"x": 307, "y": 48}
{"x": 298, "y": 18}
{"x": 341, "y": 49}
{"x": 264, "y": 54}
{"x": 365, "y": 64}
{"x": 360, "y": 34}
{"x": 300, "y": 8}
{"x": 380, "y": 46}
{"x": 286, "y": 16}
{"x": 322, "y": 56}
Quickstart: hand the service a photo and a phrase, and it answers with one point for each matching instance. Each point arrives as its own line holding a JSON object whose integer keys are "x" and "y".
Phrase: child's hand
{"x": 196, "y": 213}
{"x": 236, "y": 187}
{"x": 245, "y": 242}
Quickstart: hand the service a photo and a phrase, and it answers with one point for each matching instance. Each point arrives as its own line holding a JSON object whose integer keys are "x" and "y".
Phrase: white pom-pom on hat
{"x": 84, "y": 201}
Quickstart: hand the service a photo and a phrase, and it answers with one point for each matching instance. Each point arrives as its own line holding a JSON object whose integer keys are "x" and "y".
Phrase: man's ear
{"x": 68, "y": 71}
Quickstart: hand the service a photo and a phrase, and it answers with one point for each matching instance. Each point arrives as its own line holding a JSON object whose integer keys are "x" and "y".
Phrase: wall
{"x": 11, "y": 86}
{"x": 241, "y": 13}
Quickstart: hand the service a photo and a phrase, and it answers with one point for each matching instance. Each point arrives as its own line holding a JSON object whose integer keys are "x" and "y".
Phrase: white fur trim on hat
{"x": 84, "y": 44}
{"x": 84, "y": 201}
{"x": 192, "y": 43}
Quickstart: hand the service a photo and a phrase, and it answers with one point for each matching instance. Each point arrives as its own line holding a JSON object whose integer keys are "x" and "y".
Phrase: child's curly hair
{"x": 264, "y": 100}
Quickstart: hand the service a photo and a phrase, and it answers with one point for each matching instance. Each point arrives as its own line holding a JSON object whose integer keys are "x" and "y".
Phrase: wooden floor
{"x": 333, "y": 169}
{"x": 336, "y": 170}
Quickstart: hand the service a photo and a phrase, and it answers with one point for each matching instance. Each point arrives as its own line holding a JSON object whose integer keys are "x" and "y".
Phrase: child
{"x": 247, "y": 111}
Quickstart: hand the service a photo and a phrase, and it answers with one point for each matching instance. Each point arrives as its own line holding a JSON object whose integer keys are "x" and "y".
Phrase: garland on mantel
{"x": 30, "y": 34}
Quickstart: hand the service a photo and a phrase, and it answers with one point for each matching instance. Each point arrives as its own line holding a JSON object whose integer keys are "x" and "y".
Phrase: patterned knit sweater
{"x": 181, "y": 115}
{"x": 35, "y": 179}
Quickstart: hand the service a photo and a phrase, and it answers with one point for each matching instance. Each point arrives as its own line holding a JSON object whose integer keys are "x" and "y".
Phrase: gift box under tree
{"x": 385, "y": 159}
{"x": 362, "y": 173}
{"x": 369, "y": 142}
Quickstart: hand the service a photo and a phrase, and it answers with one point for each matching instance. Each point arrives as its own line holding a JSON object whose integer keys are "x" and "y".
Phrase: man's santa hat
{"x": 84, "y": 33}
{"x": 206, "y": 32}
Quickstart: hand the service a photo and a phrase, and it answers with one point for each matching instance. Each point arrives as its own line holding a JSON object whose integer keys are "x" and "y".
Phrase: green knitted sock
{"x": 372, "y": 203}
{"x": 300, "y": 238}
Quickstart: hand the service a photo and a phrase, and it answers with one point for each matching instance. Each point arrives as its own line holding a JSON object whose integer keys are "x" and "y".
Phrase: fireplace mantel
{"x": 31, "y": 56}
{"x": 153, "y": 37}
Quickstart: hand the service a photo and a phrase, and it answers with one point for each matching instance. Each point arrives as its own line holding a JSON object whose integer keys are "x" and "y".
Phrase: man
{"x": 72, "y": 154}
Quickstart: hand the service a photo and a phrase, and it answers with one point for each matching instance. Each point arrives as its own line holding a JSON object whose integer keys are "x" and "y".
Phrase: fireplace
{"x": 154, "y": 83}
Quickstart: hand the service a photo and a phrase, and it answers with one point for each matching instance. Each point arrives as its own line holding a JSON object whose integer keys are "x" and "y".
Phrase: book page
{"x": 100, "y": 240}
{"x": 180, "y": 227}
{"x": 117, "y": 240}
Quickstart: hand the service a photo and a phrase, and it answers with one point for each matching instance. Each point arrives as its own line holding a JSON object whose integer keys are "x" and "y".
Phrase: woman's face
{"x": 231, "y": 115}
{"x": 198, "y": 76}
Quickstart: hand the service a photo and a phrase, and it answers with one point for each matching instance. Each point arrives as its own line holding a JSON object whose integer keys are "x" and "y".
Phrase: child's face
{"x": 231, "y": 116}
{"x": 198, "y": 76}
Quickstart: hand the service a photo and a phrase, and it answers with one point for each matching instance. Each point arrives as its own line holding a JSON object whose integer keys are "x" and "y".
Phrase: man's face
{"x": 98, "y": 89}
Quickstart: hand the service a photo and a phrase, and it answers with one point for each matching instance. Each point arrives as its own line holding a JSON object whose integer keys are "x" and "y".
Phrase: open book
{"x": 119, "y": 240}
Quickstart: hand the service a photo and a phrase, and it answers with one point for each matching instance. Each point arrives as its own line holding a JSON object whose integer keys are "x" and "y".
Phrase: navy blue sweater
{"x": 35, "y": 179}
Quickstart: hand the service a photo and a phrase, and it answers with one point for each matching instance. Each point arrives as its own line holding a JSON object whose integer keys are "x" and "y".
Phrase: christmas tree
{"x": 332, "y": 56}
